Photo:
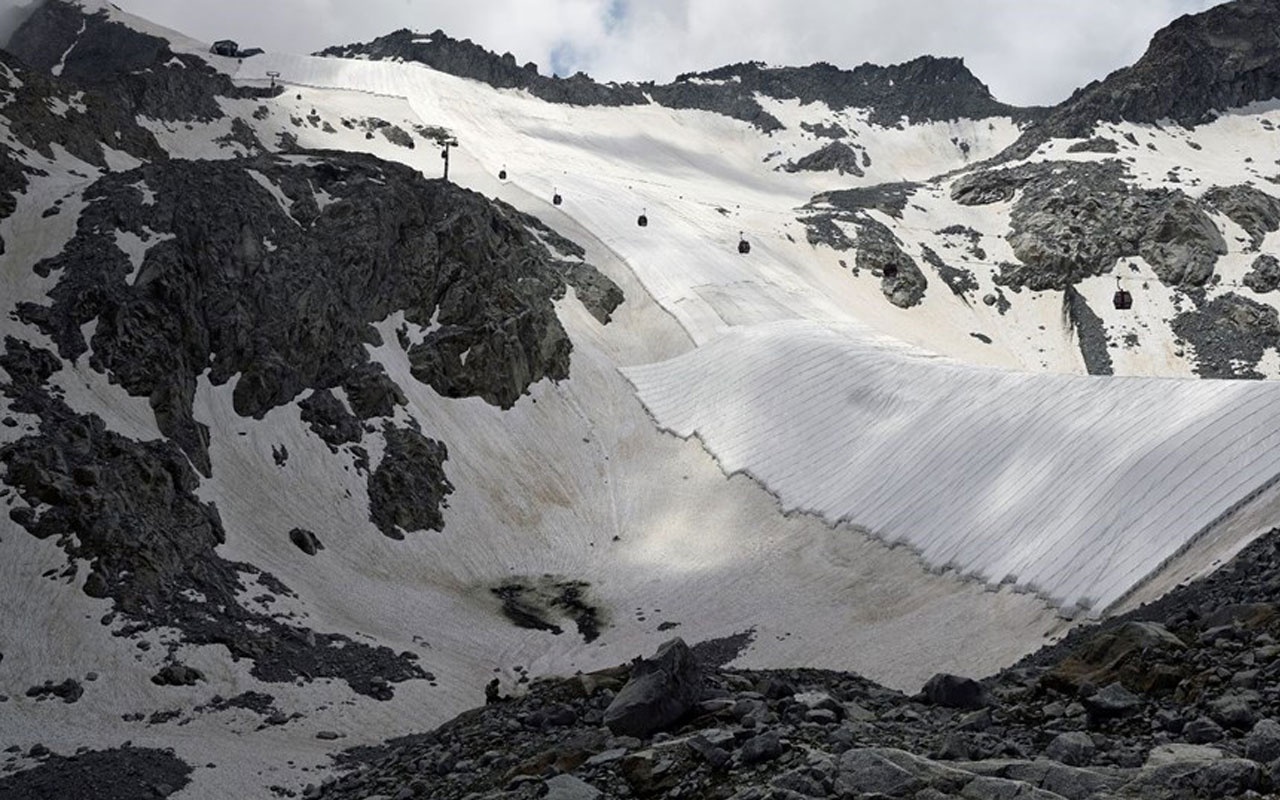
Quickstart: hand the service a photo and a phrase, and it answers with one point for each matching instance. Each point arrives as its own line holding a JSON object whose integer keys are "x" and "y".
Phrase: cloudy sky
{"x": 1027, "y": 51}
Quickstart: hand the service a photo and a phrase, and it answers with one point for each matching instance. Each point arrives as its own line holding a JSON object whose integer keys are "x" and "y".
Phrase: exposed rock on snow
{"x": 1263, "y": 275}
{"x": 959, "y": 280}
{"x": 329, "y": 419}
{"x": 306, "y": 541}
{"x": 1252, "y": 209}
{"x": 138, "y": 71}
{"x": 177, "y": 675}
{"x": 1072, "y": 220}
{"x": 1230, "y": 334}
{"x": 876, "y": 247}
{"x": 535, "y": 603}
{"x": 1098, "y": 144}
{"x": 408, "y": 487}
{"x": 225, "y": 300}
{"x": 834, "y": 157}
{"x": 879, "y": 251}
{"x": 69, "y": 690}
{"x": 887, "y": 198}
{"x": 129, "y": 509}
{"x": 126, "y": 773}
{"x": 825, "y": 130}
{"x": 1091, "y": 333}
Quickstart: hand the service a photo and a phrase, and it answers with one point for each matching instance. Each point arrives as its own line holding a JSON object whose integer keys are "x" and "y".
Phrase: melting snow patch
{"x": 136, "y": 247}
{"x": 62, "y": 62}
{"x": 148, "y": 196}
{"x": 57, "y": 106}
{"x": 286, "y": 205}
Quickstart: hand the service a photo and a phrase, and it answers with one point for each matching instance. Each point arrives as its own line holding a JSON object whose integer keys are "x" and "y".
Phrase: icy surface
{"x": 1075, "y": 488}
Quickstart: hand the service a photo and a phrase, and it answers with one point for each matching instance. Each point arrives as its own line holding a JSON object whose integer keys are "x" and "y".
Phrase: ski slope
{"x": 700, "y": 177}
{"x": 789, "y": 383}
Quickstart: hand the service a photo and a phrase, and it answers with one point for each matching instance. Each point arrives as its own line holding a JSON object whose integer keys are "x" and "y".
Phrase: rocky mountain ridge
{"x": 923, "y": 89}
{"x": 1197, "y": 67}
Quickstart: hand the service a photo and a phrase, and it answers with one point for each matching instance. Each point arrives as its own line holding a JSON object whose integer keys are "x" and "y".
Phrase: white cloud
{"x": 1027, "y": 52}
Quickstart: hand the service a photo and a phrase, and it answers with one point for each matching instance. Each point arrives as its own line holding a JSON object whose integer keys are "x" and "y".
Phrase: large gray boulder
{"x": 1263, "y": 742}
{"x": 1112, "y": 701}
{"x": 1264, "y": 274}
{"x": 661, "y": 690}
{"x": 869, "y": 772}
{"x": 955, "y": 691}
{"x": 1073, "y": 748}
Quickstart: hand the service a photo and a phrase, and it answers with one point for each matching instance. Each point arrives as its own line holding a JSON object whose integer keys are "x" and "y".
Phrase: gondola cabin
{"x": 502, "y": 174}
{"x": 642, "y": 220}
{"x": 1122, "y": 300}
{"x": 556, "y": 199}
{"x": 744, "y": 246}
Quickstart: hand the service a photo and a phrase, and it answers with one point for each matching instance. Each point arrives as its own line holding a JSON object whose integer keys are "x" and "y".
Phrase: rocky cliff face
{"x": 924, "y": 89}
{"x": 41, "y": 113}
{"x": 1071, "y": 220}
{"x": 274, "y": 270}
{"x": 137, "y": 71}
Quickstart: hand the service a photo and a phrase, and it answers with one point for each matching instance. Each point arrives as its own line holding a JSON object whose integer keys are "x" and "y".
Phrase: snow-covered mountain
{"x": 302, "y": 445}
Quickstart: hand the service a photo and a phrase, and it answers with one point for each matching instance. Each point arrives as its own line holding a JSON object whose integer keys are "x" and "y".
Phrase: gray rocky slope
{"x": 1178, "y": 699}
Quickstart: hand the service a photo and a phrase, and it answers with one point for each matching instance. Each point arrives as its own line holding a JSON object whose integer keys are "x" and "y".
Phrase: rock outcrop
{"x": 1072, "y": 220}
{"x": 249, "y": 275}
{"x": 875, "y": 246}
{"x": 130, "y": 511}
{"x": 659, "y": 692}
{"x": 139, "y": 72}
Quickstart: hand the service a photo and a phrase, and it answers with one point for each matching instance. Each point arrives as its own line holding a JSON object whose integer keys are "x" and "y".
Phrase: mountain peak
{"x": 1197, "y": 66}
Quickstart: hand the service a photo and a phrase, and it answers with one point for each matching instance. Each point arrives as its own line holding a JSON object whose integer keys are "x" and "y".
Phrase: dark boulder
{"x": 177, "y": 675}
{"x": 661, "y": 690}
{"x": 1129, "y": 653}
{"x": 955, "y": 691}
{"x": 1112, "y": 701}
{"x": 305, "y": 540}
{"x": 1264, "y": 274}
